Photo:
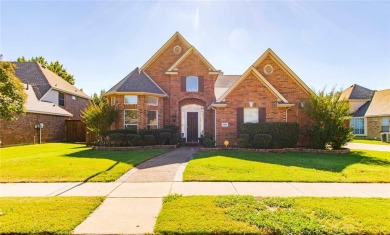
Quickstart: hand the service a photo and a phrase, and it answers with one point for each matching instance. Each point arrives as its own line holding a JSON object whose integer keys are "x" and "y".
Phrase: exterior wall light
{"x": 174, "y": 118}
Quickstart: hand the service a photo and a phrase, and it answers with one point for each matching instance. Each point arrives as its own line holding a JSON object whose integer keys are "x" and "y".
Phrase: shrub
{"x": 116, "y": 139}
{"x": 123, "y": 131}
{"x": 261, "y": 141}
{"x": 243, "y": 141}
{"x": 133, "y": 139}
{"x": 149, "y": 140}
{"x": 208, "y": 142}
{"x": 284, "y": 134}
{"x": 164, "y": 137}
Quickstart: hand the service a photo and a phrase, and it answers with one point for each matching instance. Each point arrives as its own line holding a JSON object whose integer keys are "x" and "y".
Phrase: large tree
{"x": 56, "y": 67}
{"x": 99, "y": 115}
{"x": 12, "y": 95}
{"x": 329, "y": 115}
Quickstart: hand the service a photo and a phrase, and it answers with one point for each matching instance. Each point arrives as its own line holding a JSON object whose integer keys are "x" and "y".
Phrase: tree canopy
{"x": 12, "y": 95}
{"x": 56, "y": 67}
{"x": 329, "y": 115}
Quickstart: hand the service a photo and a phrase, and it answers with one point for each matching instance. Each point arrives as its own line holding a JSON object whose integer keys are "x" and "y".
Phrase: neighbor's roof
{"x": 223, "y": 83}
{"x": 137, "y": 82}
{"x": 356, "y": 92}
{"x": 33, "y": 105}
{"x": 43, "y": 79}
{"x": 380, "y": 104}
{"x": 361, "y": 112}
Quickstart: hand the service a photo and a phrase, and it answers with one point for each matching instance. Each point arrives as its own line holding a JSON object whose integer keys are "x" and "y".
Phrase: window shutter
{"x": 240, "y": 120}
{"x": 183, "y": 84}
{"x": 262, "y": 115}
{"x": 201, "y": 83}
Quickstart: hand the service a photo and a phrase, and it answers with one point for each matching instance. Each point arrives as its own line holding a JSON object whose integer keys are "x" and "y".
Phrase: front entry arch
{"x": 192, "y": 122}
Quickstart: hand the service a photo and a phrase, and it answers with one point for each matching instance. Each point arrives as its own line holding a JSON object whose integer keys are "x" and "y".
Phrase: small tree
{"x": 12, "y": 95}
{"x": 329, "y": 115}
{"x": 98, "y": 116}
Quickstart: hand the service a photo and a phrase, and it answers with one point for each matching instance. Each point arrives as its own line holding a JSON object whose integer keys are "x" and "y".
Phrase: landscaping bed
{"x": 357, "y": 166}
{"x": 249, "y": 215}
{"x": 60, "y": 162}
{"x": 281, "y": 150}
{"x": 124, "y": 148}
{"x": 45, "y": 215}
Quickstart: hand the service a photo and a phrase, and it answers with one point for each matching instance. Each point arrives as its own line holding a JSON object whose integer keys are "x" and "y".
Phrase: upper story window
{"x": 131, "y": 99}
{"x": 385, "y": 124}
{"x": 192, "y": 84}
{"x": 150, "y": 100}
{"x": 113, "y": 100}
{"x": 74, "y": 97}
{"x": 61, "y": 99}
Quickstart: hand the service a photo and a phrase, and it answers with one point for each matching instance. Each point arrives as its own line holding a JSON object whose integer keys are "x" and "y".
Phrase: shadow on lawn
{"x": 324, "y": 162}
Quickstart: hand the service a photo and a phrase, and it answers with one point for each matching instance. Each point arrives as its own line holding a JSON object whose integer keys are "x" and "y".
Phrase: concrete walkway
{"x": 375, "y": 147}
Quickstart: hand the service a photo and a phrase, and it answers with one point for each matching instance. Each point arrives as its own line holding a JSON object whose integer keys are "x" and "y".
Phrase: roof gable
{"x": 165, "y": 46}
{"x": 192, "y": 49}
{"x": 380, "y": 104}
{"x": 137, "y": 82}
{"x": 356, "y": 92}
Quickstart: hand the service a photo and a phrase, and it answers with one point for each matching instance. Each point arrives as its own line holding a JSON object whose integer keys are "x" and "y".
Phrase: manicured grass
{"x": 358, "y": 166}
{"x": 249, "y": 215}
{"x": 61, "y": 162}
{"x": 44, "y": 215}
{"x": 370, "y": 142}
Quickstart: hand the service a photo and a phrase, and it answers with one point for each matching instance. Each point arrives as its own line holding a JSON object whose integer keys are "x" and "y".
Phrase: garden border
{"x": 283, "y": 150}
{"x": 134, "y": 147}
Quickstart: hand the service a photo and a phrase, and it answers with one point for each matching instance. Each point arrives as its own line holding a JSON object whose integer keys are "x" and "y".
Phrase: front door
{"x": 192, "y": 126}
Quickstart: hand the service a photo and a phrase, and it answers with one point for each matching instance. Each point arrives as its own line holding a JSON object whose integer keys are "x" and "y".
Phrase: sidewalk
{"x": 375, "y": 147}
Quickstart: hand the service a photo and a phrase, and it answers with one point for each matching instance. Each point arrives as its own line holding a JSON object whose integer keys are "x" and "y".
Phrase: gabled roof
{"x": 176, "y": 35}
{"x": 276, "y": 58}
{"x": 223, "y": 83}
{"x": 361, "y": 112}
{"x": 380, "y": 104}
{"x": 137, "y": 82}
{"x": 185, "y": 55}
{"x": 356, "y": 92}
{"x": 42, "y": 80}
{"x": 33, "y": 105}
{"x": 260, "y": 78}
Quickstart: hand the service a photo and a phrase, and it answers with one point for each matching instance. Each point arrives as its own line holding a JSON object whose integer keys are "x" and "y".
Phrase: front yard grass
{"x": 358, "y": 166}
{"x": 363, "y": 141}
{"x": 44, "y": 215}
{"x": 249, "y": 215}
{"x": 60, "y": 162}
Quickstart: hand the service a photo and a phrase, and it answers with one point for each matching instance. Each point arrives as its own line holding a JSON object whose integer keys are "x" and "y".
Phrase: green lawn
{"x": 362, "y": 141}
{"x": 249, "y": 215}
{"x": 44, "y": 215}
{"x": 61, "y": 162}
{"x": 358, "y": 166}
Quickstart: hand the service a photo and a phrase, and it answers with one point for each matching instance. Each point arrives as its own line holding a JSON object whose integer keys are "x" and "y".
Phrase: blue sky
{"x": 325, "y": 43}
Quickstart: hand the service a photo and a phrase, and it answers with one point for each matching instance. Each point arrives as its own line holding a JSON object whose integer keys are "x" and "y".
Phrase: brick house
{"x": 51, "y": 101}
{"x": 370, "y": 111}
{"x": 178, "y": 86}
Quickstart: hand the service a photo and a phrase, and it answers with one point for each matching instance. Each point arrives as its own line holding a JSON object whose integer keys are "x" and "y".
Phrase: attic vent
{"x": 268, "y": 69}
{"x": 177, "y": 49}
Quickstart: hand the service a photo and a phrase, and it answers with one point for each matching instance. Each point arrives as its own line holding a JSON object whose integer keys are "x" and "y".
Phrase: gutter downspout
{"x": 286, "y": 113}
{"x": 215, "y": 125}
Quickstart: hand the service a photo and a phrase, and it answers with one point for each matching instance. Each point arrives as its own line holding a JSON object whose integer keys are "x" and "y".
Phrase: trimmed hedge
{"x": 164, "y": 137}
{"x": 243, "y": 141}
{"x": 149, "y": 139}
{"x": 284, "y": 134}
{"x": 261, "y": 141}
{"x": 133, "y": 140}
{"x": 116, "y": 139}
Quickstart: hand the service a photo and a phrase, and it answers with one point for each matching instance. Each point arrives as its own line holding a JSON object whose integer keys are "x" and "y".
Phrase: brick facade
{"x": 374, "y": 126}
{"x": 22, "y": 131}
{"x": 75, "y": 106}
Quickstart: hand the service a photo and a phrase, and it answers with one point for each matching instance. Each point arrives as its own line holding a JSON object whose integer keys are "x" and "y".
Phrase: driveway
{"x": 375, "y": 147}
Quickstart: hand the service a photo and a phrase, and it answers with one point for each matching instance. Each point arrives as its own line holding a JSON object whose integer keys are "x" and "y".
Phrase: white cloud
{"x": 239, "y": 39}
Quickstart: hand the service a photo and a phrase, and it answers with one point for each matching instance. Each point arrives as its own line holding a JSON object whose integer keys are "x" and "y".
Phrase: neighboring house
{"x": 51, "y": 101}
{"x": 178, "y": 86}
{"x": 370, "y": 111}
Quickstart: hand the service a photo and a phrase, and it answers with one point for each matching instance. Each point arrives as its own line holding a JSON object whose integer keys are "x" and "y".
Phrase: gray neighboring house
{"x": 370, "y": 111}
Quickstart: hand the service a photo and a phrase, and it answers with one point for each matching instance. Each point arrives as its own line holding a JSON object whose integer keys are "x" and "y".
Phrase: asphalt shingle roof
{"x": 42, "y": 79}
{"x": 380, "y": 104}
{"x": 362, "y": 110}
{"x": 223, "y": 83}
{"x": 137, "y": 81}
{"x": 356, "y": 92}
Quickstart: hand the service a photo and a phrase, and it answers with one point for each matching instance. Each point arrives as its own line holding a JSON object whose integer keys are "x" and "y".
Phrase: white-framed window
{"x": 131, "y": 99}
{"x": 113, "y": 100}
{"x": 357, "y": 123}
{"x": 152, "y": 119}
{"x": 74, "y": 97}
{"x": 251, "y": 115}
{"x": 130, "y": 119}
{"x": 385, "y": 124}
{"x": 192, "y": 84}
{"x": 150, "y": 100}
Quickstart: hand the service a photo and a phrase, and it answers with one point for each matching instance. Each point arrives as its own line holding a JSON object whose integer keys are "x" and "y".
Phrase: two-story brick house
{"x": 178, "y": 86}
{"x": 51, "y": 101}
